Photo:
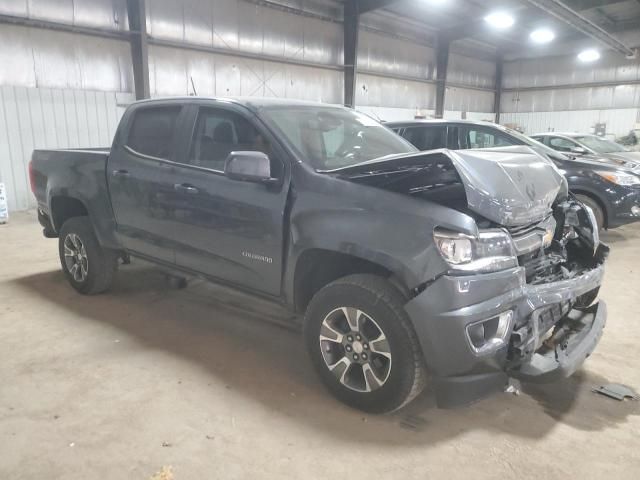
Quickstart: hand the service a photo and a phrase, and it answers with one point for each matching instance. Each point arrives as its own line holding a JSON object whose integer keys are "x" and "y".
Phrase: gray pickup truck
{"x": 457, "y": 269}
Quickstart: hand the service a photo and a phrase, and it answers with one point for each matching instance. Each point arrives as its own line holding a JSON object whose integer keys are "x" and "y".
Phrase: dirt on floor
{"x": 150, "y": 381}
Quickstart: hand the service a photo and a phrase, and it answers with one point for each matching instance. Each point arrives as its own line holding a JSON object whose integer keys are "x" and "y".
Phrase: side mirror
{"x": 248, "y": 167}
{"x": 578, "y": 150}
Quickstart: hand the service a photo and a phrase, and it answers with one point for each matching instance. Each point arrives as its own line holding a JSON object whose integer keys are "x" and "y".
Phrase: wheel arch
{"x": 317, "y": 267}
{"x": 64, "y": 207}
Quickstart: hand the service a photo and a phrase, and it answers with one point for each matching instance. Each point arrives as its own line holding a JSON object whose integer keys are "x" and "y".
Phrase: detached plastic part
{"x": 617, "y": 391}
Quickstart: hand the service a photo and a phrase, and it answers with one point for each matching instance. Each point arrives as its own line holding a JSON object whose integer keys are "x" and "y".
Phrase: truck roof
{"x": 251, "y": 102}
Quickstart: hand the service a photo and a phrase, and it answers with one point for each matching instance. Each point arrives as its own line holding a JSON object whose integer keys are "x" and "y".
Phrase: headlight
{"x": 492, "y": 250}
{"x": 620, "y": 178}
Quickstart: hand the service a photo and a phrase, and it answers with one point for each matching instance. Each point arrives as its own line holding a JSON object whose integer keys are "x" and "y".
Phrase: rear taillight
{"x": 32, "y": 177}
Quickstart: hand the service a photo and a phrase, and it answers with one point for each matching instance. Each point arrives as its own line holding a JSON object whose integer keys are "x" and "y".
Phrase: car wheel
{"x": 595, "y": 206}
{"x": 89, "y": 268}
{"x": 363, "y": 345}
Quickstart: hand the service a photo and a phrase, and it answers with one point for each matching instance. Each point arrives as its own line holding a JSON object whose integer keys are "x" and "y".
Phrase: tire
{"x": 394, "y": 377}
{"x": 595, "y": 206}
{"x": 95, "y": 266}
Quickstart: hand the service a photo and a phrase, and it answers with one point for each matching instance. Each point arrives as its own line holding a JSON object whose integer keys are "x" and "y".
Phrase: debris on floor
{"x": 165, "y": 473}
{"x": 166, "y": 444}
{"x": 617, "y": 391}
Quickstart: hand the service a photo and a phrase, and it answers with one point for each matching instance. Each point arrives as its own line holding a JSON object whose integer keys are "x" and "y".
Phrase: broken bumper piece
{"x": 575, "y": 337}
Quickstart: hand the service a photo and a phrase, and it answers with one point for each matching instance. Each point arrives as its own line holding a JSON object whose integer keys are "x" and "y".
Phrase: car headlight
{"x": 490, "y": 251}
{"x": 620, "y": 178}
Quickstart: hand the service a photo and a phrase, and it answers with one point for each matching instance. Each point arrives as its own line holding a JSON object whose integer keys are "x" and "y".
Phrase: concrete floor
{"x": 119, "y": 385}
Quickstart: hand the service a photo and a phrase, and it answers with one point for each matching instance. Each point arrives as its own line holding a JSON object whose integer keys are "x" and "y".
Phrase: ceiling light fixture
{"x": 500, "y": 20}
{"x": 542, "y": 35}
{"x": 589, "y": 55}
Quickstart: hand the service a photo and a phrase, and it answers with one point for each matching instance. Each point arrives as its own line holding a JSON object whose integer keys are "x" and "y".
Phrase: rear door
{"x": 140, "y": 179}
{"x": 228, "y": 229}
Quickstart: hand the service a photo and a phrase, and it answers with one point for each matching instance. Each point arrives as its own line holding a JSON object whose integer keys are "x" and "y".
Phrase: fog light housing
{"x": 489, "y": 335}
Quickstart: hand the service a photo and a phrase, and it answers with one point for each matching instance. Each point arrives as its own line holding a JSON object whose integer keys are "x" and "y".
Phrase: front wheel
{"x": 363, "y": 345}
{"x": 89, "y": 268}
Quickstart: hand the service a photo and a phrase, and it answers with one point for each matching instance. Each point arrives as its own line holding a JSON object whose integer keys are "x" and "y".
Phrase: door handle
{"x": 185, "y": 188}
{"x": 120, "y": 173}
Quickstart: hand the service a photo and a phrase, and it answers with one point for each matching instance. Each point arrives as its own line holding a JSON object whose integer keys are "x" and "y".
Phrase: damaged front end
{"x": 559, "y": 325}
{"x": 517, "y": 298}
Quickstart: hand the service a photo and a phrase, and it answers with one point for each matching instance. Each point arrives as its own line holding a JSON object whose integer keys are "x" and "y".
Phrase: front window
{"x": 334, "y": 137}
{"x": 600, "y": 145}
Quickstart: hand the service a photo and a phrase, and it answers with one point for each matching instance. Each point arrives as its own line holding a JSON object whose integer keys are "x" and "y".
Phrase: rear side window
{"x": 561, "y": 144}
{"x": 153, "y": 130}
{"x": 426, "y": 138}
{"x": 471, "y": 136}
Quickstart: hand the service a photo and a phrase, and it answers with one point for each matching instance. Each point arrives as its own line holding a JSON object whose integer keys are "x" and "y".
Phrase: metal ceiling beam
{"x": 498, "y": 88}
{"x": 442, "y": 63}
{"x": 64, "y": 27}
{"x": 574, "y": 19}
{"x": 137, "y": 15}
{"x": 350, "y": 30}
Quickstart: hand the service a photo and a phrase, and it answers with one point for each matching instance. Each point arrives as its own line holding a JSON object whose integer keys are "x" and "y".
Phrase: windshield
{"x": 600, "y": 145}
{"x": 335, "y": 137}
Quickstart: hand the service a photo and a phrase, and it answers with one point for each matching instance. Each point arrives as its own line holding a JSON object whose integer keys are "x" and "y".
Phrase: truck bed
{"x": 78, "y": 173}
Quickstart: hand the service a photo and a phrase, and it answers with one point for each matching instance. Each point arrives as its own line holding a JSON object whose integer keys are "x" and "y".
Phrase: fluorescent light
{"x": 589, "y": 55}
{"x": 542, "y": 35}
{"x": 500, "y": 20}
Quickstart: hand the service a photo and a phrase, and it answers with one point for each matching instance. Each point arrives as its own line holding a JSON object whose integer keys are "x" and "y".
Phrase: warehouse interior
{"x": 152, "y": 381}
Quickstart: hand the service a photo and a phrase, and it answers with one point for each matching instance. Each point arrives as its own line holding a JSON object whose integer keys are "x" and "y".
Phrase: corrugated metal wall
{"x": 563, "y": 94}
{"x": 50, "y": 118}
{"x": 619, "y": 121}
{"x": 64, "y": 89}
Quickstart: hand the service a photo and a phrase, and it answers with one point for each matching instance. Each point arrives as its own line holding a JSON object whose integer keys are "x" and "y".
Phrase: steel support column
{"x": 351, "y": 24}
{"x": 139, "y": 47}
{"x": 498, "y": 87}
{"x": 442, "y": 62}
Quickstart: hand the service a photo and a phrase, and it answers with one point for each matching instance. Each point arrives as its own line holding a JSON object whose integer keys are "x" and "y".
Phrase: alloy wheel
{"x": 75, "y": 257}
{"x": 355, "y": 349}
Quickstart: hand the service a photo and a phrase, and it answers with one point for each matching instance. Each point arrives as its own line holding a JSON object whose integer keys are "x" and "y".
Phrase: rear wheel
{"x": 595, "y": 206}
{"x": 363, "y": 345}
{"x": 89, "y": 268}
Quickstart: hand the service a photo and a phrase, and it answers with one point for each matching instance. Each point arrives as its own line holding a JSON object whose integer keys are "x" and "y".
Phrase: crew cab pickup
{"x": 457, "y": 269}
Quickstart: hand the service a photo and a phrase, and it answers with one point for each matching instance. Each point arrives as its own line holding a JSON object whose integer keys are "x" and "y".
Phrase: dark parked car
{"x": 472, "y": 266}
{"x": 610, "y": 187}
{"x": 590, "y": 146}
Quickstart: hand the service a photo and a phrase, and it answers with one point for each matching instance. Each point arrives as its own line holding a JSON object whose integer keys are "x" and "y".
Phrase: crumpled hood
{"x": 508, "y": 185}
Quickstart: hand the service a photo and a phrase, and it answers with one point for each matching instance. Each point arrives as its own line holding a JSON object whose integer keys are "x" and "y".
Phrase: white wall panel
{"x": 35, "y": 57}
{"x": 372, "y": 90}
{"x": 110, "y": 14}
{"x": 469, "y": 71}
{"x": 619, "y": 121}
{"x": 468, "y": 100}
{"x": 171, "y": 71}
{"x": 50, "y": 118}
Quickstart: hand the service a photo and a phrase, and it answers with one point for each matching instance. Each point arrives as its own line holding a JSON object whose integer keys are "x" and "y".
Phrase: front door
{"x": 229, "y": 229}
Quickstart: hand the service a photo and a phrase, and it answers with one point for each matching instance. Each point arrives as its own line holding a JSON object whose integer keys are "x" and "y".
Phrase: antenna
{"x": 193, "y": 86}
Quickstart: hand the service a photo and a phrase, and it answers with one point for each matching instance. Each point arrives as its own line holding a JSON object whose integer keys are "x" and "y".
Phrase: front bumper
{"x": 442, "y": 312}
